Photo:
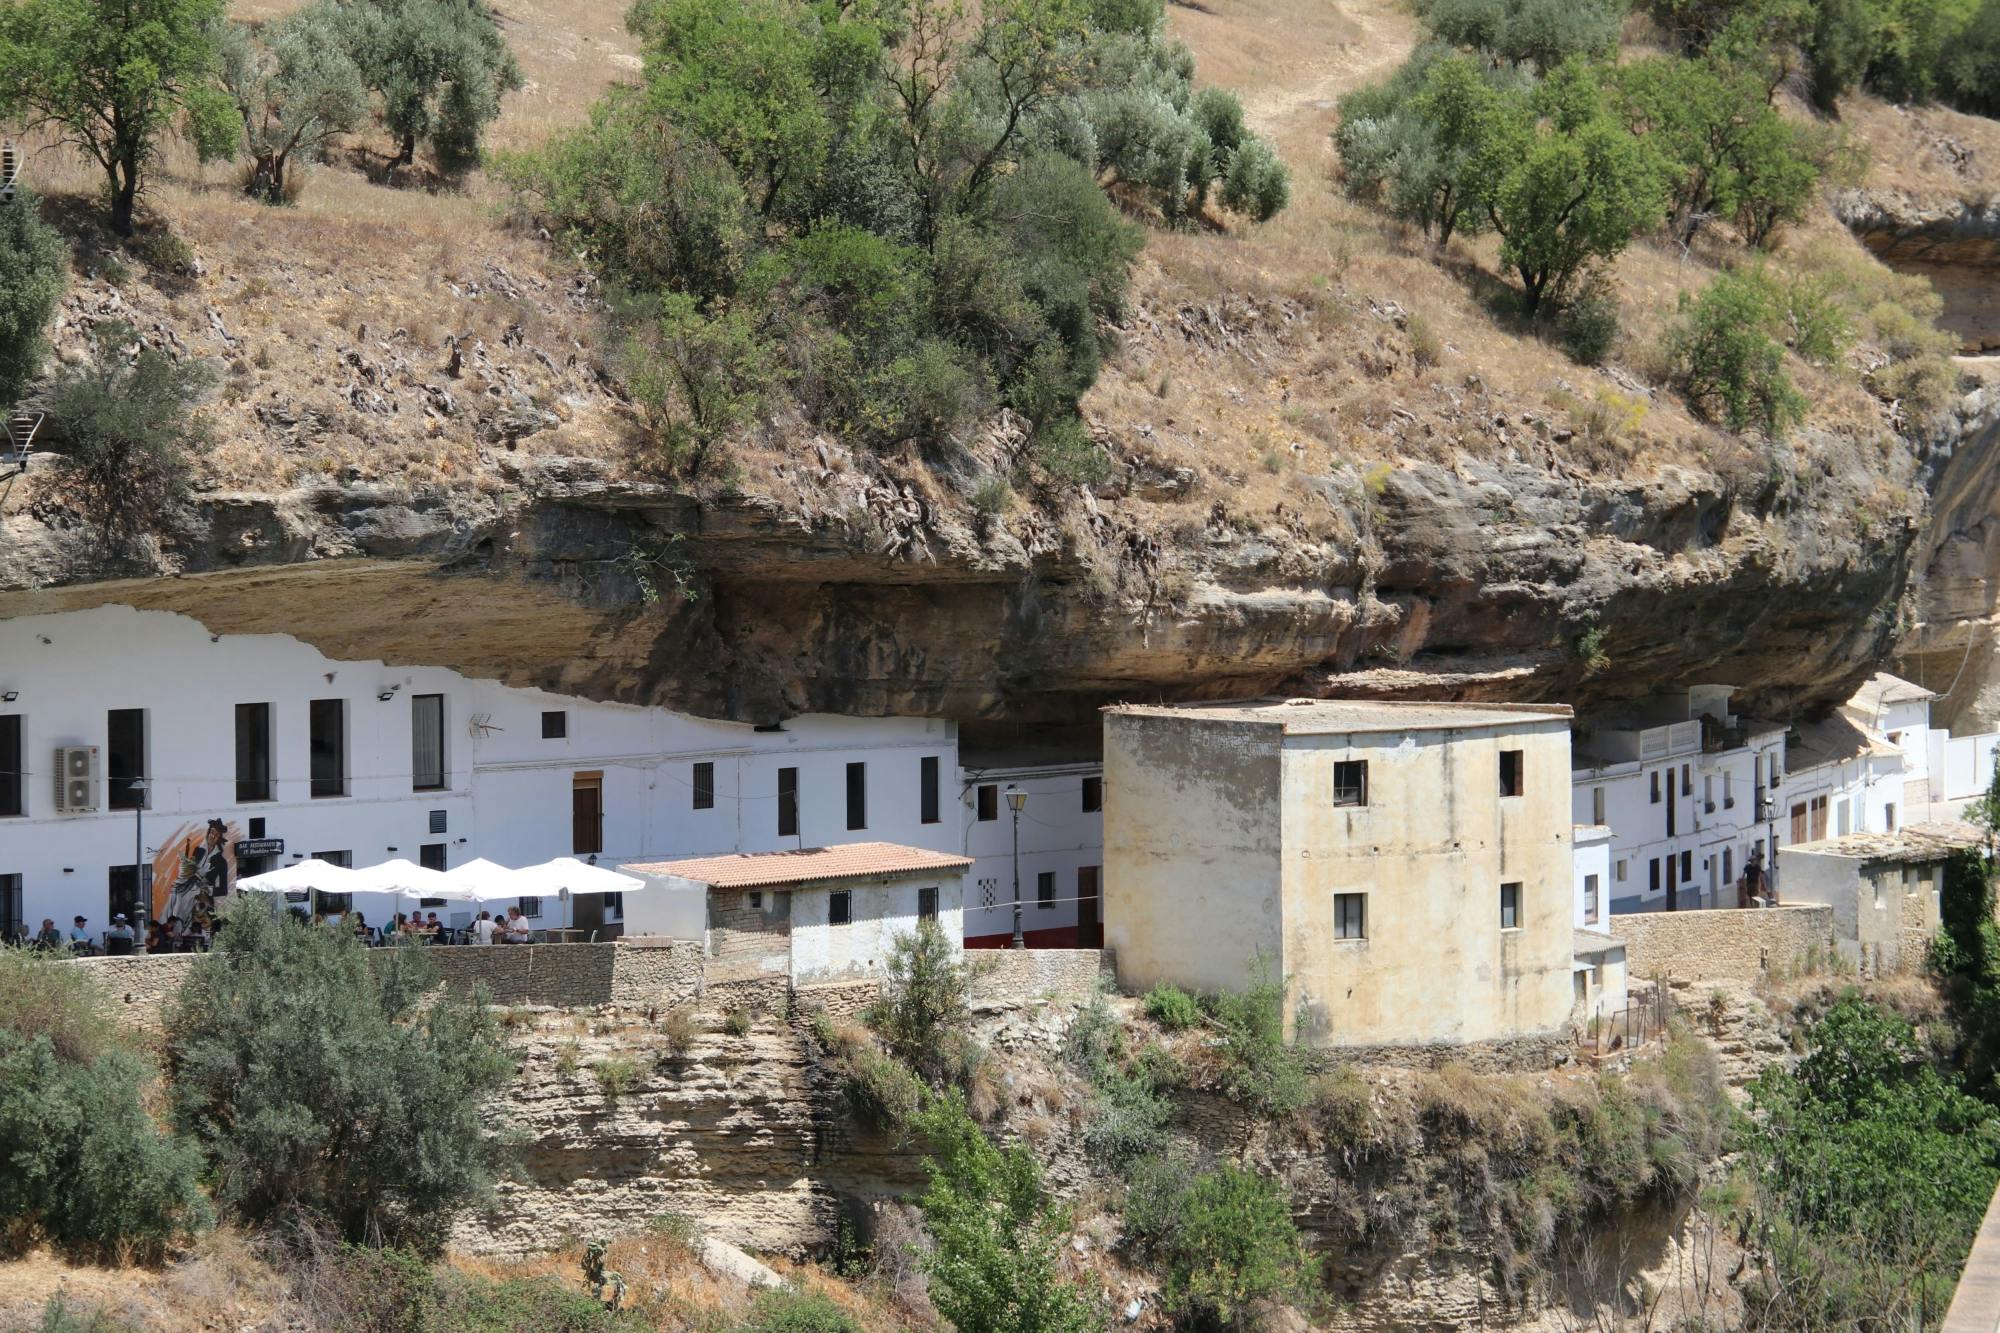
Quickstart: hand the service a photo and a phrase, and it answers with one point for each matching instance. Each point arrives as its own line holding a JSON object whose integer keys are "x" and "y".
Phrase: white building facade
{"x": 1061, "y": 828}
{"x": 285, "y": 753}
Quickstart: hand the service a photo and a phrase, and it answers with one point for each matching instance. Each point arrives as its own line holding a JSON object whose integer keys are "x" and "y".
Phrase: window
{"x": 1511, "y": 772}
{"x": 10, "y": 906}
{"x": 927, "y": 789}
{"x": 989, "y": 892}
{"x": 555, "y": 724}
{"x": 430, "y": 902}
{"x": 1728, "y": 790}
{"x": 927, "y": 904}
{"x": 531, "y": 906}
{"x": 1350, "y": 916}
{"x": 125, "y": 760}
{"x": 1597, "y": 805}
{"x": 788, "y": 802}
{"x": 1590, "y": 889}
{"x": 1618, "y": 872}
{"x": 839, "y": 907}
{"x": 257, "y": 827}
{"x": 326, "y": 744}
{"x": 857, "y": 796}
{"x": 756, "y": 900}
{"x": 586, "y": 806}
{"x": 438, "y": 820}
{"x": 253, "y": 752}
{"x": 704, "y": 786}
{"x": 1510, "y": 907}
{"x": 1045, "y": 889}
{"x": 11, "y": 787}
{"x": 1687, "y": 867}
{"x": 1687, "y": 780}
{"x": 1655, "y": 775}
{"x": 1816, "y": 816}
{"x": 1729, "y": 865}
{"x": 431, "y": 856}
{"x": 426, "y": 742}
{"x": 1889, "y": 818}
{"x": 1350, "y": 782}
{"x": 988, "y": 803}
{"x": 1653, "y": 869}
{"x": 335, "y": 858}
{"x": 1799, "y": 822}
{"x": 1093, "y": 795}
{"x": 1840, "y": 827}
{"x": 336, "y": 902}
{"x": 1708, "y": 791}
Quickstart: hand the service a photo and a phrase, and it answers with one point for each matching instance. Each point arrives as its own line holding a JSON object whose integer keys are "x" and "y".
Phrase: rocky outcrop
{"x": 1955, "y": 243}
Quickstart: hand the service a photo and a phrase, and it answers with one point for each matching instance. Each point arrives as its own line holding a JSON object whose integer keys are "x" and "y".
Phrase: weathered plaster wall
{"x": 1741, "y": 944}
{"x": 1882, "y": 920}
{"x": 879, "y": 910}
{"x": 1191, "y": 850}
{"x": 1429, "y": 852}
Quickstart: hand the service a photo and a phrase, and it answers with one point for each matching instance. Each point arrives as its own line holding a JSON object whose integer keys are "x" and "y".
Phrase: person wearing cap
{"x": 79, "y": 934}
{"x": 121, "y": 929}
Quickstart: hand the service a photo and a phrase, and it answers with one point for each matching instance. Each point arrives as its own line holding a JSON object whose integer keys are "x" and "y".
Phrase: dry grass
{"x": 218, "y": 1283}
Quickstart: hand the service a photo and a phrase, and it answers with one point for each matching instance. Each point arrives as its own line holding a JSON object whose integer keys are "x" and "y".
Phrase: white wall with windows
{"x": 1062, "y": 849}
{"x": 1590, "y": 850}
{"x": 366, "y": 761}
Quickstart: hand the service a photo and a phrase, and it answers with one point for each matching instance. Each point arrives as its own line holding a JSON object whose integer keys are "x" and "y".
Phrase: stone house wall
{"x": 1738, "y": 944}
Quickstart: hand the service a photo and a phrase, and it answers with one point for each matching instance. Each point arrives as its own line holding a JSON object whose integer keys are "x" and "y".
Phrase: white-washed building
{"x": 1061, "y": 826}
{"x": 286, "y": 753}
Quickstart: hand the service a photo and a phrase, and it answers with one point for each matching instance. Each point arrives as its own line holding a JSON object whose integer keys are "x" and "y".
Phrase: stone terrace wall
{"x": 560, "y": 976}
{"x": 1003, "y": 977}
{"x": 1724, "y": 944}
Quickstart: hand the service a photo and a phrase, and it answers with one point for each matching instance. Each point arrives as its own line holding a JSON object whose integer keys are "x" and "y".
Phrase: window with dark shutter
{"x": 125, "y": 758}
{"x": 927, "y": 790}
{"x": 927, "y": 904}
{"x": 1512, "y": 773}
{"x": 253, "y": 752}
{"x": 439, "y": 818}
{"x": 1350, "y": 782}
{"x": 326, "y": 723}
{"x": 1350, "y": 916}
{"x": 1093, "y": 795}
{"x": 788, "y": 803}
{"x": 704, "y": 786}
{"x": 857, "y": 796}
{"x": 11, "y": 787}
{"x": 430, "y": 856}
{"x": 988, "y": 802}
{"x": 1510, "y": 906}
{"x": 555, "y": 724}
{"x": 1045, "y": 889}
{"x": 839, "y": 907}
{"x": 426, "y": 742}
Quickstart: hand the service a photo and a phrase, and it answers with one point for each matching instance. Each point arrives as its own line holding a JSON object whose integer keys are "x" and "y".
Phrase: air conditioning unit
{"x": 76, "y": 779}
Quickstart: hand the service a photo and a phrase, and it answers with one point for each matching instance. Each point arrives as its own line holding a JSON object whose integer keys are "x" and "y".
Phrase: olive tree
{"x": 441, "y": 67}
{"x": 34, "y": 262}
{"x": 295, "y": 86}
{"x": 113, "y": 77}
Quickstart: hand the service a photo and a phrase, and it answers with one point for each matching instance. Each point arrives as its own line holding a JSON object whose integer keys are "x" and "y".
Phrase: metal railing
{"x": 1642, "y": 1020}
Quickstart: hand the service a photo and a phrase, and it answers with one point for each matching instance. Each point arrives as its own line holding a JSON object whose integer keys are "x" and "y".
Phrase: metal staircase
{"x": 21, "y": 428}
{"x": 10, "y": 170}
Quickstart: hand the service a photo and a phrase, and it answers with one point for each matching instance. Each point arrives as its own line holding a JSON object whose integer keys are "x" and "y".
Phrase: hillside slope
{"x": 1332, "y": 466}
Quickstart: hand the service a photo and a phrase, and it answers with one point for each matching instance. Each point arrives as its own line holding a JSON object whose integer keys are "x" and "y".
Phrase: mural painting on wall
{"x": 193, "y": 872}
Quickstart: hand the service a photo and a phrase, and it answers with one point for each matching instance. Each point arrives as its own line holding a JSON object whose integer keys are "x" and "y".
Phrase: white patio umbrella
{"x": 480, "y": 880}
{"x": 311, "y": 876}
{"x": 401, "y": 878}
{"x": 566, "y": 872}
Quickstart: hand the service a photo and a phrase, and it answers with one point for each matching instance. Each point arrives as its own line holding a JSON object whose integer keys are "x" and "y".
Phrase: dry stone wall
{"x": 1724, "y": 944}
{"x": 138, "y": 988}
{"x": 1006, "y": 977}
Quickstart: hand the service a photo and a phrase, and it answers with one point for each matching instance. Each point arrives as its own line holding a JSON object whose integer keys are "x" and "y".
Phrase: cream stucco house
{"x": 1405, "y": 867}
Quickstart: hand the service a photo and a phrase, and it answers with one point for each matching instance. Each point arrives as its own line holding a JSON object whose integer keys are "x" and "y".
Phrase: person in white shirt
{"x": 483, "y": 928}
{"x": 517, "y": 927}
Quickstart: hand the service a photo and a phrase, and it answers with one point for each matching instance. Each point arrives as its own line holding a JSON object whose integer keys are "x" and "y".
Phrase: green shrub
{"x": 278, "y": 1013}
{"x": 59, "y": 1316}
{"x": 1726, "y": 361}
{"x": 1066, "y": 452}
{"x": 679, "y": 1032}
{"x": 130, "y": 435}
{"x": 923, "y": 1016}
{"x": 1256, "y": 183}
{"x": 792, "y": 1310}
{"x": 616, "y": 1076}
{"x": 990, "y": 495}
{"x": 1587, "y": 324}
{"x": 1128, "y": 1120}
{"x": 34, "y": 268}
{"x": 995, "y": 1238}
{"x": 88, "y": 1169}
{"x": 737, "y": 1022}
{"x": 1259, "y": 1069}
{"x": 1172, "y": 1008}
{"x": 1223, "y": 1237}
{"x": 440, "y": 68}
{"x": 880, "y": 1090}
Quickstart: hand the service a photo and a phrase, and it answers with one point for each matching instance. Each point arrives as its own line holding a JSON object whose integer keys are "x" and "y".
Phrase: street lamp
{"x": 1016, "y": 799}
{"x": 138, "y": 787}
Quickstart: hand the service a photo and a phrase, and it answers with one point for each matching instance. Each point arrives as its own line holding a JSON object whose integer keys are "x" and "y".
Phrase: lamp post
{"x": 1016, "y": 799}
{"x": 138, "y": 787}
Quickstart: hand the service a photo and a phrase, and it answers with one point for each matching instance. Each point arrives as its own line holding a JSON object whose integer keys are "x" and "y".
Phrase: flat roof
{"x": 1916, "y": 842}
{"x": 1310, "y": 717}
{"x": 807, "y": 865}
{"x": 1883, "y": 688}
{"x": 1592, "y": 943}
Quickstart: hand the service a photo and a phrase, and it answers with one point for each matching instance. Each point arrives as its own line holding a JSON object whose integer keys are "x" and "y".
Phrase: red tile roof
{"x": 853, "y": 860}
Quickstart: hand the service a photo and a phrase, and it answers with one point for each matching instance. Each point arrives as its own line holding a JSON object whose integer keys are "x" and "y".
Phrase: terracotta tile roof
{"x": 852, "y": 860}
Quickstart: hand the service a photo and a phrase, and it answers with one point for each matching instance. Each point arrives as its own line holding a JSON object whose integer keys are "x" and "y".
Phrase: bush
{"x": 88, "y": 1170}
{"x": 1726, "y": 361}
{"x": 1537, "y": 33}
{"x": 615, "y": 1078}
{"x": 34, "y": 268}
{"x": 440, "y": 67}
{"x": 1066, "y": 452}
{"x": 1172, "y": 1008}
{"x": 995, "y": 1238}
{"x": 1223, "y": 1238}
{"x": 1256, "y": 182}
{"x": 59, "y": 1316}
{"x": 679, "y": 1031}
{"x": 1259, "y": 1069}
{"x": 923, "y": 1016}
{"x": 880, "y": 1089}
{"x": 737, "y": 1022}
{"x": 279, "y": 1012}
{"x": 1587, "y": 324}
{"x": 130, "y": 435}
{"x": 792, "y": 1310}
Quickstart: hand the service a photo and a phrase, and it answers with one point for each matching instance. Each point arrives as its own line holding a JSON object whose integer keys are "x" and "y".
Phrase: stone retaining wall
{"x": 1003, "y": 977}
{"x": 559, "y": 976}
{"x": 1731, "y": 943}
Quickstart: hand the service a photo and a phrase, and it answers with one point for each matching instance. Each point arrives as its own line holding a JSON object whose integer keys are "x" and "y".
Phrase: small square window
{"x": 257, "y": 827}
{"x": 704, "y": 786}
{"x": 1093, "y": 795}
{"x": 1350, "y": 916}
{"x": 989, "y": 803}
{"x": 840, "y": 907}
{"x": 927, "y": 904}
{"x": 1350, "y": 782}
{"x": 1045, "y": 889}
{"x": 531, "y": 906}
{"x": 555, "y": 724}
{"x": 756, "y": 900}
{"x": 1510, "y": 907}
{"x": 438, "y": 821}
{"x": 1511, "y": 771}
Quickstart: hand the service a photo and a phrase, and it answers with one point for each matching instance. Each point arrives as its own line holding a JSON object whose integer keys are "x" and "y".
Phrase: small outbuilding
{"x": 818, "y": 914}
{"x": 1884, "y": 889}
